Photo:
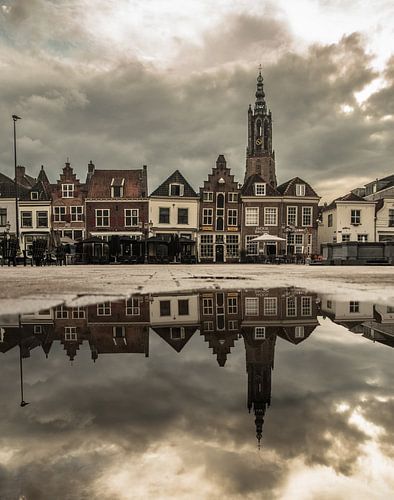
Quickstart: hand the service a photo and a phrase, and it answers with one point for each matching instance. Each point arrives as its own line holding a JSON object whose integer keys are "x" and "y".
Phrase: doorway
{"x": 219, "y": 253}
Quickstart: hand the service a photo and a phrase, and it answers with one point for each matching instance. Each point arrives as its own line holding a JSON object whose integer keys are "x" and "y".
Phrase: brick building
{"x": 68, "y": 205}
{"x": 220, "y": 221}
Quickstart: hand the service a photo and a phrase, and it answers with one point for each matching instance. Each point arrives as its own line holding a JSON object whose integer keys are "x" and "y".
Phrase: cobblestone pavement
{"x": 24, "y": 289}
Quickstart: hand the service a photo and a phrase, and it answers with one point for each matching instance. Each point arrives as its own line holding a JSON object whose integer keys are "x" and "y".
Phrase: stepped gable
{"x": 289, "y": 188}
{"x": 134, "y": 183}
{"x": 248, "y": 188}
{"x": 175, "y": 178}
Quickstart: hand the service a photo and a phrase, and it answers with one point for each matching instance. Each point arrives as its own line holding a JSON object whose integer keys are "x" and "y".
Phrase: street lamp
{"x": 15, "y": 118}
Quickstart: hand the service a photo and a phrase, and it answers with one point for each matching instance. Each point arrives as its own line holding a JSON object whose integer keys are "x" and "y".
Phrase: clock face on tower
{"x": 259, "y": 141}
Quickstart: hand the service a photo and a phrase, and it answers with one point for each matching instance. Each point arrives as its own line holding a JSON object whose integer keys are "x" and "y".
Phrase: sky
{"x": 177, "y": 425}
{"x": 167, "y": 84}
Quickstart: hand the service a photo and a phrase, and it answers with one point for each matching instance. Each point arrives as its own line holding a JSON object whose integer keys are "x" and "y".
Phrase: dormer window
{"x": 117, "y": 187}
{"x": 34, "y": 195}
{"x": 176, "y": 190}
{"x": 67, "y": 190}
{"x": 259, "y": 189}
{"x": 300, "y": 189}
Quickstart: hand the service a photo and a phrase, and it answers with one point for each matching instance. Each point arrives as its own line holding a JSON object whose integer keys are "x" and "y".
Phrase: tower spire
{"x": 260, "y": 105}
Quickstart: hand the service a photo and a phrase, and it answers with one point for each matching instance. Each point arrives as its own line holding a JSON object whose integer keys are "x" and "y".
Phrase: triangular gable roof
{"x": 248, "y": 189}
{"x": 289, "y": 188}
{"x": 41, "y": 188}
{"x": 175, "y": 178}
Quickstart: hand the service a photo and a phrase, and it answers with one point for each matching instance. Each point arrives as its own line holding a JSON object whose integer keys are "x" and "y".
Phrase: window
{"x": 61, "y": 313}
{"x": 299, "y": 332}
{"x": 34, "y": 195}
{"x": 164, "y": 215}
{"x": 251, "y": 246}
{"x": 363, "y": 238}
{"x": 391, "y": 217}
{"x": 270, "y": 216}
{"x": 67, "y": 190}
{"x": 232, "y": 305}
{"x": 117, "y": 185}
{"x": 176, "y": 190}
{"x": 329, "y": 304}
{"x": 354, "y": 306}
{"x": 207, "y": 216}
{"x": 232, "y": 245}
{"x": 183, "y": 307}
{"x": 232, "y": 197}
{"x": 345, "y": 237}
{"x": 355, "y": 217}
{"x": 259, "y": 332}
{"x": 307, "y": 216}
{"x": 233, "y": 324}
{"x": 78, "y": 234}
{"x": 165, "y": 308}
{"x": 3, "y": 217}
{"x": 208, "y": 326}
{"x": 291, "y": 216}
{"x": 270, "y": 306}
{"x": 37, "y": 329}
{"x": 329, "y": 220}
{"x": 390, "y": 310}
{"x": 102, "y": 217}
{"x": 259, "y": 189}
{"x": 118, "y": 332}
{"x": 59, "y": 214}
{"x": 251, "y": 216}
{"x": 177, "y": 333}
{"x": 251, "y": 306}
{"x": 131, "y": 217}
{"x": 133, "y": 306}
{"x": 104, "y": 309}
{"x": 76, "y": 213}
{"x": 207, "y": 306}
{"x": 291, "y": 307}
{"x": 206, "y": 245}
{"x": 183, "y": 216}
{"x": 78, "y": 313}
{"x": 295, "y": 243}
{"x": 300, "y": 189}
{"x": 306, "y": 306}
{"x": 232, "y": 217}
{"x": 207, "y": 196}
{"x": 70, "y": 333}
{"x": 42, "y": 219}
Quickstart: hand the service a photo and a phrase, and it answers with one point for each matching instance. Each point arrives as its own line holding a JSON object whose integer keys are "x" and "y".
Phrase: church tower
{"x": 260, "y": 158}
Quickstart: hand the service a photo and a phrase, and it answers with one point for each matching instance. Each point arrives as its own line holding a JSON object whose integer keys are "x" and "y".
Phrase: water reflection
{"x": 229, "y": 342}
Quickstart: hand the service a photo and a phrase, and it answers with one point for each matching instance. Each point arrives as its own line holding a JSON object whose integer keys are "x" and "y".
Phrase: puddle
{"x": 173, "y": 390}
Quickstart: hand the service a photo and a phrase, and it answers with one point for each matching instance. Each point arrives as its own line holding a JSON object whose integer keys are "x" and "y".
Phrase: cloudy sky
{"x": 176, "y": 425}
{"x": 167, "y": 84}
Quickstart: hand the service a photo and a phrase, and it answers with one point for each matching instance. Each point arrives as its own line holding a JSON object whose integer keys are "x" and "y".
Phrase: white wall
{"x": 174, "y": 319}
{"x": 173, "y": 205}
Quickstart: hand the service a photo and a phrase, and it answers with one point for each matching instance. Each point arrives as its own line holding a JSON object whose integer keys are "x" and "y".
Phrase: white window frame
{"x": 133, "y": 306}
{"x": 207, "y": 214}
{"x": 208, "y": 326}
{"x": 70, "y": 333}
{"x": 293, "y": 216}
{"x": 121, "y": 191}
{"x": 354, "y": 306}
{"x": 232, "y": 197}
{"x": 76, "y": 213}
{"x": 207, "y": 306}
{"x": 102, "y": 216}
{"x": 232, "y": 305}
{"x": 304, "y": 211}
{"x": 259, "y": 333}
{"x": 306, "y": 306}
{"x": 355, "y": 216}
{"x": 291, "y": 307}
{"x": 268, "y": 213}
{"x": 59, "y": 213}
{"x": 362, "y": 238}
{"x": 252, "y": 248}
{"x": 270, "y": 306}
{"x": 252, "y": 216}
{"x": 67, "y": 190}
{"x": 78, "y": 313}
{"x": 232, "y": 215}
{"x": 34, "y": 195}
{"x": 251, "y": 306}
{"x": 207, "y": 196}
{"x": 300, "y": 189}
{"x": 233, "y": 324}
{"x": 232, "y": 245}
{"x": 104, "y": 309}
{"x": 260, "y": 189}
{"x": 206, "y": 246}
{"x": 131, "y": 214}
{"x": 181, "y": 189}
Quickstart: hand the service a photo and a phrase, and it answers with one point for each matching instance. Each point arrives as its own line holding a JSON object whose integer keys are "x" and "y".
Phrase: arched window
{"x": 258, "y": 128}
{"x": 266, "y": 136}
{"x": 220, "y": 200}
{"x": 219, "y": 224}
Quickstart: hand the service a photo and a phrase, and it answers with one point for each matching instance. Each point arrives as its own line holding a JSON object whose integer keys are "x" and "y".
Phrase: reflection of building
{"x": 222, "y": 316}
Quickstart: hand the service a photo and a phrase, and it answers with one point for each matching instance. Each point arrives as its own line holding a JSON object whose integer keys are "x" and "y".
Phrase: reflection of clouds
{"x": 174, "y": 424}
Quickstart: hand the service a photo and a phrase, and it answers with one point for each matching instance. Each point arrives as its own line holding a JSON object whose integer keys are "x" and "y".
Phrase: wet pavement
{"x": 270, "y": 392}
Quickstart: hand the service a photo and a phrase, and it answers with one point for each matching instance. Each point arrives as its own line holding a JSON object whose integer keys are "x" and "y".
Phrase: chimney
{"x": 145, "y": 181}
{"x": 20, "y": 173}
{"x": 91, "y": 167}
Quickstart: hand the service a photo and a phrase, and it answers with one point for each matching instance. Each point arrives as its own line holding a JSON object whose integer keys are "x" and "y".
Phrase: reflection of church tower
{"x": 259, "y": 365}
{"x": 260, "y": 157}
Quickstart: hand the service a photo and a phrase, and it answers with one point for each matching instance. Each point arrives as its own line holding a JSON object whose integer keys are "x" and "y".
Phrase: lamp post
{"x": 15, "y": 118}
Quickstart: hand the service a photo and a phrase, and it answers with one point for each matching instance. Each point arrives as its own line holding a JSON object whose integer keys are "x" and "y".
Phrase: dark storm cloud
{"x": 133, "y": 404}
{"x": 130, "y": 114}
